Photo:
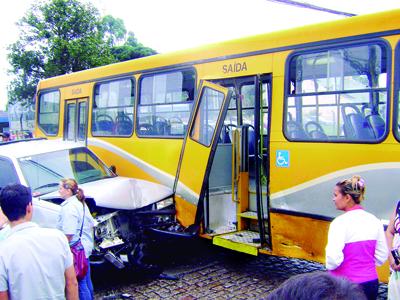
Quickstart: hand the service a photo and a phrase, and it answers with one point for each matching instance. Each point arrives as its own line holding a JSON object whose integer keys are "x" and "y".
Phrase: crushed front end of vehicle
{"x": 121, "y": 237}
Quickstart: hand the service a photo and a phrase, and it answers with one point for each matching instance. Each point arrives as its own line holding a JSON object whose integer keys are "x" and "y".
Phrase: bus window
{"x": 248, "y": 95}
{"x": 49, "y": 108}
{"x": 207, "y": 116}
{"x": 165, "y": 103}
{"x": 112, "y": 113}
{"x": 396, "y": 127}
{"x": 231, "y": 115}
{"x": 338, "y": 95}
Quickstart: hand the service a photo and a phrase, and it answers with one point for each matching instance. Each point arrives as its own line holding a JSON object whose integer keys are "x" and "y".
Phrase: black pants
{"x": 370, "y": 289}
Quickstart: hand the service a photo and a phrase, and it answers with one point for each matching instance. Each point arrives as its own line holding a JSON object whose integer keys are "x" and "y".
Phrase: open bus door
{"x": 242, "y": 222}
{"x": 199, "y": 147}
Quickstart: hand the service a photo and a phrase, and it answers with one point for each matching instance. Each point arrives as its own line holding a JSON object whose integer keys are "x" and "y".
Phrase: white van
{"x": 122, "y": 207}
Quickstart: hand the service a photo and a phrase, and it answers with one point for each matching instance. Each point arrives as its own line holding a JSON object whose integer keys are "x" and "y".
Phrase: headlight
{"x": 164, "y": 203}
{"x": 106, "y": 231}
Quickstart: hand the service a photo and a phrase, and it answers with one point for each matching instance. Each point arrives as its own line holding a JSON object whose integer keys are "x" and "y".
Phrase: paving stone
{"x": 210, "y": 273}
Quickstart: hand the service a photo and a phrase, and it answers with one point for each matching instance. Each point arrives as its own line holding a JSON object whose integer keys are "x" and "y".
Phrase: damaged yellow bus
{"x": 252, "y": 134}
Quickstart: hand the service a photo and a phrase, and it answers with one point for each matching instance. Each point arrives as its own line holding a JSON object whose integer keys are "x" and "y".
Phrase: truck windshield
{"x": 43, "y": 172}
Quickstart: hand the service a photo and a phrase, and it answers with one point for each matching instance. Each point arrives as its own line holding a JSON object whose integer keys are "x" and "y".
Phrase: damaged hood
{"x": 122, "y": 192}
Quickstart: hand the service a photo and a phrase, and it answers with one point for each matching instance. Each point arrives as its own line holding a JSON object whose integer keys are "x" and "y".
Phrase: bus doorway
{"x": 237, "y": 197}
{"x": 75, "y": 124}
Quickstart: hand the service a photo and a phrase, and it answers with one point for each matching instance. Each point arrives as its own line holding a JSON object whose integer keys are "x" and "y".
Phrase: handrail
{"x": 235, "y": 164}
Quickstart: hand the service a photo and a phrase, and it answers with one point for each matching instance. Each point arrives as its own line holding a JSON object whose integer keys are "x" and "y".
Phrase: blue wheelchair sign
{"x": 282, "y": 158}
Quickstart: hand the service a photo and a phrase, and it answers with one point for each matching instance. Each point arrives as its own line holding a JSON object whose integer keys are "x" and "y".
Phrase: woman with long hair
{"x": 356, "y": 240}
{"x": 77, "y": 224}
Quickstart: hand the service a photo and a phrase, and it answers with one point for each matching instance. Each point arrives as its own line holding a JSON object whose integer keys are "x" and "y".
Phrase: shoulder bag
{"x": 81, "y": 263}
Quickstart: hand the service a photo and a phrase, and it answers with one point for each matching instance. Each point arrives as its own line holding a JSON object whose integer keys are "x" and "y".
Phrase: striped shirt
{"x": 356, "y": 244}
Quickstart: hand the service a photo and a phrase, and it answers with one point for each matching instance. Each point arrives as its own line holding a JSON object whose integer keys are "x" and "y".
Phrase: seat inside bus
{"x": 295, "y": 130}
{"x": 315, "y": 131}
{"x": 104, "y": 123}
{"x": 355, "y": 125}
{"x": 377, "y": 124}
{"x": 123, "y": 124}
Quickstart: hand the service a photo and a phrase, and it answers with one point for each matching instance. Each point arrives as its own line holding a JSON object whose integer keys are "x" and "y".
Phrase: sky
{"x": 169, "y": 25}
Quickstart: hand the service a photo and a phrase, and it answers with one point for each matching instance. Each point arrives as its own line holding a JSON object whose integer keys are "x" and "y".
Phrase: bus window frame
{"x": 218, "y": 120}
{"x": 396, "y": 91}
{"x": 375, "y": 41}
{"x": 39, "y": 94}
{"x": 137, "y": 104}
{"x": 133, "y": 81}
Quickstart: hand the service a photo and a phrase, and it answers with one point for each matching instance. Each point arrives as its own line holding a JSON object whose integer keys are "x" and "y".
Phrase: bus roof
{"x": 280, "y": 40}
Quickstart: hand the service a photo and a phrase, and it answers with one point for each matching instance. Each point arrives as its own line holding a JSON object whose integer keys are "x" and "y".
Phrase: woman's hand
{"x": 393, "y": 264}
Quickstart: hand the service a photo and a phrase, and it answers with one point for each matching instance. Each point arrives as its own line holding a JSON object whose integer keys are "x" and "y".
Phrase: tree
{"x": 63, "y": 36}
{"x": 113, "y": 29}
{"x": 131, "y": 49}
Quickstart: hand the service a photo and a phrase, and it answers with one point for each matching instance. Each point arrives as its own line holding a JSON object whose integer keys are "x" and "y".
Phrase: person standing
{"x": 356, "y": 240}
{"x": 6, "y": 137}
{"x": 393, "y": 241}
{"x": 77, "y": 224}
{"x": 35, "y": 263}
{"x": 4, "y": 226}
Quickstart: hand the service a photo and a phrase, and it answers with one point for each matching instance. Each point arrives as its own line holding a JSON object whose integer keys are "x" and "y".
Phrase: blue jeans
{"x": 86, "y": 287}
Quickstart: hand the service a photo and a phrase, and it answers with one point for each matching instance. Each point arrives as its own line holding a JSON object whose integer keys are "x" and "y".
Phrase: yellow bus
{"x": 252, "y": 134}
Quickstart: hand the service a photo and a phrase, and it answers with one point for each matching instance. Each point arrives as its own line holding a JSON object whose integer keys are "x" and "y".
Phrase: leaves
{"x": 63, "y": 36}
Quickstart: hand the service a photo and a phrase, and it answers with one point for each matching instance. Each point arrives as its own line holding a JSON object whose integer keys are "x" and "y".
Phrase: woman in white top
{"x": 75, "y": 215}
{"x": 356, "y": 240}
{"x": 4, "y": 226}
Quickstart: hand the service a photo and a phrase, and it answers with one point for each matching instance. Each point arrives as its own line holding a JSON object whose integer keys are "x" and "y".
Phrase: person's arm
{"x": 381, "y": 250}
{"x": 69, "y": 221}
{"x": 334, "y": 248}
{"x": 390, "y": 231}
{"x": 71, "y": 284}
{"x": 3, "y": 281}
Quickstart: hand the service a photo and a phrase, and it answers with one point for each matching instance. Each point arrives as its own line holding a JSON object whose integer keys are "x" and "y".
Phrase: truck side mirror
{"x": 113, "y": 169}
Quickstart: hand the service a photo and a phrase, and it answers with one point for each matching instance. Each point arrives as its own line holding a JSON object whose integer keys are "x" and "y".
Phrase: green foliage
{"x": 131, "y": 49}
{"x": 113, "y": 29}
{"x": 63, "y": 36}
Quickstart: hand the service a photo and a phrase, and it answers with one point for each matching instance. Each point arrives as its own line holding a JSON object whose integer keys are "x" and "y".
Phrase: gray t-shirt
{"x": 33, "y": 261}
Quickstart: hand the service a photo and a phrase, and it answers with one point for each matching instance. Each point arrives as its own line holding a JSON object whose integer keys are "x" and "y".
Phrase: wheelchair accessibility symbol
{"x": 282, "y": 158}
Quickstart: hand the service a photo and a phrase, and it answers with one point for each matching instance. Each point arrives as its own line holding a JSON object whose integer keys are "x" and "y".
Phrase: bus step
{"x": 251, "y": 215}
{"x": 242, "y": 241}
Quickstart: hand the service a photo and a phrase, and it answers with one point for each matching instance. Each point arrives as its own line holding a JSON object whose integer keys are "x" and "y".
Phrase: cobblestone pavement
{"x": 205, "y": 272}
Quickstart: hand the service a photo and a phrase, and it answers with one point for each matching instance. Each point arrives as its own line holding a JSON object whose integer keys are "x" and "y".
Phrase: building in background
{"x": 4, "y": 124}
{"x": 21, "y": 120}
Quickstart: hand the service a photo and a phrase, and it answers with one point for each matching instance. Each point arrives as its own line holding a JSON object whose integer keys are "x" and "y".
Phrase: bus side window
{"x": 338, "y": 95}
{"x": 112, "y": 113}
{"x": 165, "y": 103}
{"x": 49, "y": 109}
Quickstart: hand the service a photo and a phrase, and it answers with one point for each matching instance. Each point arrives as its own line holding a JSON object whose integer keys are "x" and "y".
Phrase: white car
{"x": 122, "y": 207}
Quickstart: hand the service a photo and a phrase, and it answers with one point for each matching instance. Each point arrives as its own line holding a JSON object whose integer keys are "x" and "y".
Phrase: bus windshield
{"x": 43, "y": 172}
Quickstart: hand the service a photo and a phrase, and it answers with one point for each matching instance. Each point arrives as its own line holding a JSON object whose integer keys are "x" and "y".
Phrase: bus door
{"x": 199, "y": 146}
{"x": 240, "y": 208}
{"x": 75, "y": 120}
